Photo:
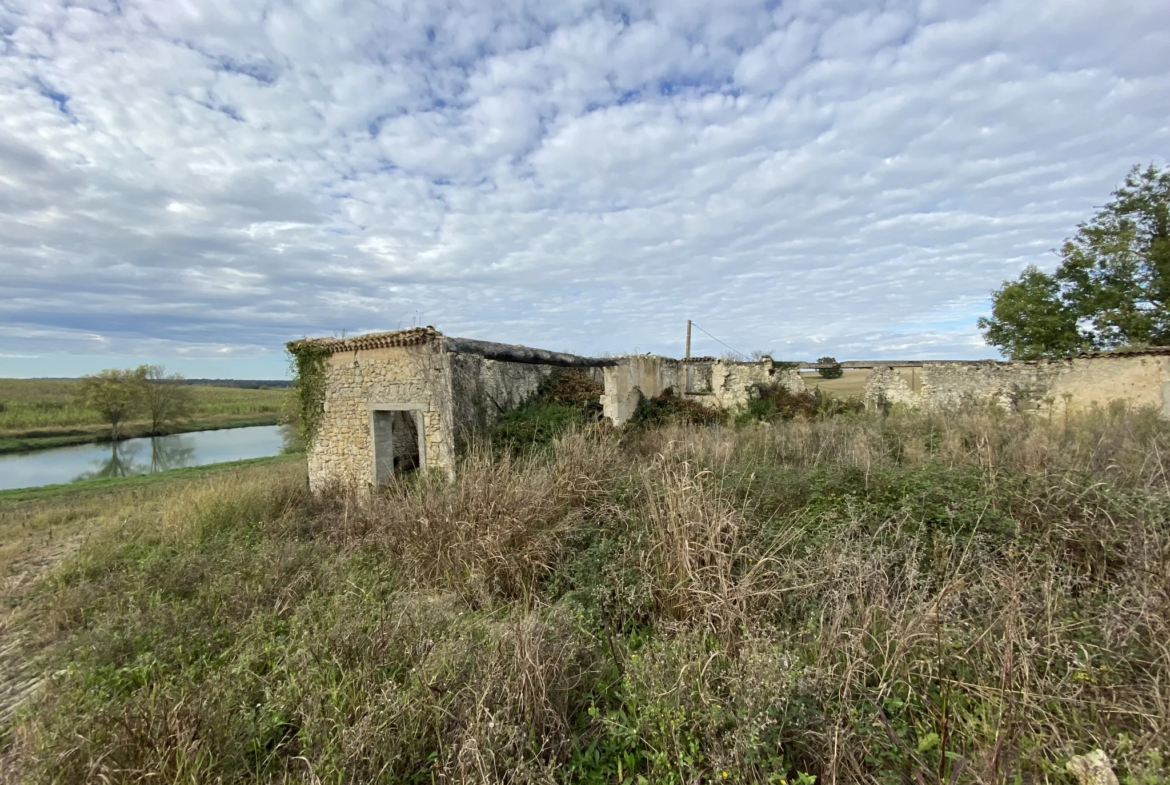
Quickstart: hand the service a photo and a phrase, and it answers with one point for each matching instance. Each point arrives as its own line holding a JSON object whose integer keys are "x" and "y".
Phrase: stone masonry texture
{"x": 1045, "y": 386}
{"x": 455, "y": 396}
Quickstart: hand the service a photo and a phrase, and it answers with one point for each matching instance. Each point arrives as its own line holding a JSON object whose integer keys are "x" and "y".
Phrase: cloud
{"x": 213, "y": 179}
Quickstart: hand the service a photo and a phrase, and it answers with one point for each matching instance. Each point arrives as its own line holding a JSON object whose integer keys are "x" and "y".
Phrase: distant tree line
{"x": 244, "y": 384}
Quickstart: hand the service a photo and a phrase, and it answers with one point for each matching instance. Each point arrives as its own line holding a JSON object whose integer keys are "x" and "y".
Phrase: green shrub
{"x": 668, "y": 408}
{"x": 777, "y": 402}
{"x": 834, "y": 370}
{"x": 565, "y": 398}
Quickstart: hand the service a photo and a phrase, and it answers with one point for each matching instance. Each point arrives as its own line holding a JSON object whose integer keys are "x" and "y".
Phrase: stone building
{"x": 716, "y": 384}
{"x": 396, "y": 401}
{"x": 414, "y": 398}
{"x": 1139, "y": 377}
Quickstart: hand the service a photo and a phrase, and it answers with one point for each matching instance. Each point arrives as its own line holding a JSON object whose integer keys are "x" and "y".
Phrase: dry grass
{"x": 494, "y": 532}
{"x": 916, "y": 598}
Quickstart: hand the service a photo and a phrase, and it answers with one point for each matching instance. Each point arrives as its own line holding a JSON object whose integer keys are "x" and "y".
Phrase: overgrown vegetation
{"x": 566, "y": 398}
{"x": 967, "y": 597}
{"x": 669, "y": 408}
{"x": 307, "y": 364}
{"x": 776, "y": 402}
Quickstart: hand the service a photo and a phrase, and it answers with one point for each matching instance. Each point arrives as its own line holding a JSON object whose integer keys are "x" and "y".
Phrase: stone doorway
{"x": 399, "y": 447}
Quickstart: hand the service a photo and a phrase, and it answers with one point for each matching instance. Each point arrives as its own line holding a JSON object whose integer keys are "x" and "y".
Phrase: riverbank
{"x": 120, "y": 484}
{"x": 49, "y": 409}
{"x": 44, "y": 438}
{"x": 40, "y": 527}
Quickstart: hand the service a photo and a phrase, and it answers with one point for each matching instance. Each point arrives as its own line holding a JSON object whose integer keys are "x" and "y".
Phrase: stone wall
{"x": 453, "y": 395}
{"x": 635, "y": 376}
{"x": 483, "y": 389}
{"x": 342, "y": 450}
{"x": 732, "y": 383}
{"x": 1138, "y": 380}
{"x": 1043, "y": 386}
{"x": 718, "y": 384}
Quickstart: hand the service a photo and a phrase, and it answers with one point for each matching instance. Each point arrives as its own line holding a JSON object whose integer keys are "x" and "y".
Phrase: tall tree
{"x": 1112, "y": 287}
{"x": 1030, "y": 319}
{"x": 166, "y": 399}
{"x": 116, "y": 395}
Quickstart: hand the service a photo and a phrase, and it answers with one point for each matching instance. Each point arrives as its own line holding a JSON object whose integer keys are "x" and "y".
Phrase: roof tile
{"x": 410, "y": 337}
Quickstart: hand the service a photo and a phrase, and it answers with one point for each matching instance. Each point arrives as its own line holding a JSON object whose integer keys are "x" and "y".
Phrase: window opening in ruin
{"x": 398, "y": 449}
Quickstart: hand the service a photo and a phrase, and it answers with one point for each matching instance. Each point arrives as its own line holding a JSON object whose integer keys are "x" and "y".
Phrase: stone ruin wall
{"x": 456, "y": 396}
{"x": 1052, "y": 386}
{"x": 341, "y": 452}
{"x": 732, "y": 383}
{"x": 483, "y": 389}
{"x": 717, "y": 385}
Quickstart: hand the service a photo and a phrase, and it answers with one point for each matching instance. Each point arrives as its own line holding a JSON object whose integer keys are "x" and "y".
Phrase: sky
{"x": 195, "y": 182}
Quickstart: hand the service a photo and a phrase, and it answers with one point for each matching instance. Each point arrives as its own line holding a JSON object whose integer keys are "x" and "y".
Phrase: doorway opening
{"x": 398, "y": 443}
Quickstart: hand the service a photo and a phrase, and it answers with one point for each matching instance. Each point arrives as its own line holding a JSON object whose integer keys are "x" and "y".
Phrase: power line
{"x": 712, "y": 337}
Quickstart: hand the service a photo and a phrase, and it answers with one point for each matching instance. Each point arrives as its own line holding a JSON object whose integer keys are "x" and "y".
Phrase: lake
{"x": 137, "y": 456}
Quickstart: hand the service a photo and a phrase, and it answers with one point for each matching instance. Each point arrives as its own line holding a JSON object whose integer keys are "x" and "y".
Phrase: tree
{"x": 115, "y": 395}
{"x": 832, "y": 372}
{"x": 1030, "y": 319}
{"x": 1112, "y": 287}
{"x": 166, "y": 399}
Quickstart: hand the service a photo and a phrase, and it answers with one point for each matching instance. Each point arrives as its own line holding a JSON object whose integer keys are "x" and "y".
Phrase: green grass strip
{"x": 117, "y": 483}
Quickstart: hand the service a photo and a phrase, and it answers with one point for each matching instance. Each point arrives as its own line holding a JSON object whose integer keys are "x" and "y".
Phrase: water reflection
{"x": 127, "y": 458}
{"x": 136, "y": 456}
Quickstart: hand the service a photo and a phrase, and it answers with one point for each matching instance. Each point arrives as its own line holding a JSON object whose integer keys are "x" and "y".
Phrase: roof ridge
{"x": 411, "y": 336}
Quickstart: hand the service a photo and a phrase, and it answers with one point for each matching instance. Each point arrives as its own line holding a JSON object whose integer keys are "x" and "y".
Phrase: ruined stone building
{"x": 396, "y": 401}
{"x": 413, "y": 398}
{"x": 714, "y": 383}
{"x": 406, "y": 399}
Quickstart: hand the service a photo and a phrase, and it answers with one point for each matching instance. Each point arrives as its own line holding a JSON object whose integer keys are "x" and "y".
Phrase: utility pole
{"x": 688, "y": 339}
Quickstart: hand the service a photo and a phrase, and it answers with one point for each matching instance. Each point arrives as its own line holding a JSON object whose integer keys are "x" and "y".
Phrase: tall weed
{"x": 923, "y": 598}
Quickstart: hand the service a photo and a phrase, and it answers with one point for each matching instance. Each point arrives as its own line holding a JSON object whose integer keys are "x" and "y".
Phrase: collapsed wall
{"x": 1137, "y": 378}
{"x": 407, "y": 399}
{"x": 713, "y": 383}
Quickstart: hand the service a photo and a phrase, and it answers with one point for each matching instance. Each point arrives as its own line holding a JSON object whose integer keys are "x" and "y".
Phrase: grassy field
{"x": 41, "y": 527}
{"x": 973, "y": 597}
{"x": 852, "y": 383}
{"x": 33, "y": 518}
{"x": 39, "y": 413}
{"x": 40, "y": 404}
